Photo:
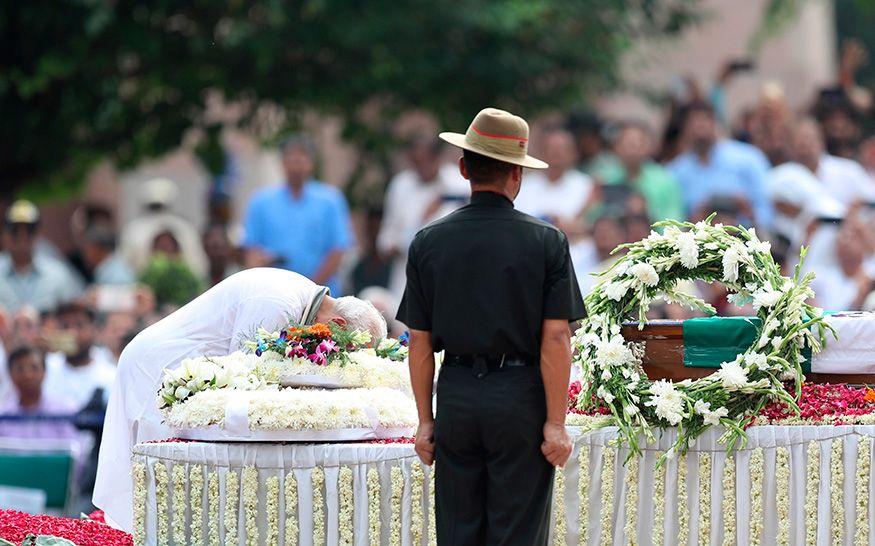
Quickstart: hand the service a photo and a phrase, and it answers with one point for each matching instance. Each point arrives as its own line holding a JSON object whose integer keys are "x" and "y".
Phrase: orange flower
{"x": 320, "y": 330}
{"x": 870, "y": 395}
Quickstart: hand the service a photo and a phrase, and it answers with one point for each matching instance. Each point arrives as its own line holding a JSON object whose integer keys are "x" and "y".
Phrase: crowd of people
{"x": 801, "y": 177}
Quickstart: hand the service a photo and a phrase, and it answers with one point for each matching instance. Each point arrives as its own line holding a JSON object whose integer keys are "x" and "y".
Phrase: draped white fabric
{"x": 281, "y": 459}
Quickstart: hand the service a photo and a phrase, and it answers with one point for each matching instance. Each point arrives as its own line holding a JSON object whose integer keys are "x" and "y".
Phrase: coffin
{"x": 664, "y": 348}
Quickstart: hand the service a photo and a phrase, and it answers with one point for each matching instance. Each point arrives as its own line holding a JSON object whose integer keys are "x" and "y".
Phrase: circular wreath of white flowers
{"x": 612, "y": 374}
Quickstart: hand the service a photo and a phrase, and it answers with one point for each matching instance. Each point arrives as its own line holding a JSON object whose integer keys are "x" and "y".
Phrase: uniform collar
{"x": 490, "y": 199}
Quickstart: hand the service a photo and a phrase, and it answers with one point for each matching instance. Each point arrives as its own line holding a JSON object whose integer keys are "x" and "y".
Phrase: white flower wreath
{"x": 612, "y": 374}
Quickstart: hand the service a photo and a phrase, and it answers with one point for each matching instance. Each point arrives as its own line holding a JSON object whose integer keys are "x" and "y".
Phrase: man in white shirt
{"x": 843, "y": 179}
{"x": 211, "y": 324}
{"x": 559, "y": 193}
{"x": 428, "y": 190}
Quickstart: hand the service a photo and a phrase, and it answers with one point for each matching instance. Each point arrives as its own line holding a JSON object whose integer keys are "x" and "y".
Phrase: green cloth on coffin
{"x": 49, "y": 471}
{"x": 710, "y": 341}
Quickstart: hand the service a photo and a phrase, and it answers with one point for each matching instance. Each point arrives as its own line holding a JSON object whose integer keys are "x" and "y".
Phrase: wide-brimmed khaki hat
{"x": 499, "y": 135}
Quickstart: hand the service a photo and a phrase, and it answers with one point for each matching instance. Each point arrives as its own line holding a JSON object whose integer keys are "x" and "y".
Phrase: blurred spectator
{"x": 713, "y": 166}
{"x": 84, "y": 218}
{"x": 634, "y": 168}
{"x": 426, "y": 191}
{"x": 843, "y": 179}
{"x": 28, "y": 278}
{"x": 770, "y": 124}
{"x": 559, "y": 193}
{"x": 115, "y": 327}
{"x": 139, "y": 235}
{"x": 221, "y": 255}
{"x": 867, "y": 157}
{"x": 302, "y": 225}
{"x": 371, "y": 268}
{"x": 586, "y": 128}
{"x": 799, "y": 198}
{"x": 28, "y": 402}
{"x": 844, "y": 284}
{"x": 79, "y": 367}
{"x": 592, "y": 256}
{"x": 100, "y": 260}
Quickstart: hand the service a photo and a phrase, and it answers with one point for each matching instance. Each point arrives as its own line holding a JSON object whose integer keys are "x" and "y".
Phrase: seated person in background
{"x": 593, "y": 255}
{"x": 633, "y": 148}
{"x": 221, "y": 255}
{"x": 99, "y": 257}
{"x": 27, "y": 368}
{"x": 558, "y": 194}
{"x": 79, "y": 367}
{"x": 720, "y": 167}
{"x": 842, "y": 283}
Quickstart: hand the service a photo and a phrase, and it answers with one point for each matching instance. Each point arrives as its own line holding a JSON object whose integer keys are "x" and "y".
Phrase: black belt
{"x": 487, "y": 362}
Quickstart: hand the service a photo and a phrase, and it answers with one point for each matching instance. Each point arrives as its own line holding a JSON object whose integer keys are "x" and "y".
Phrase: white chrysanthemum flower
{"x": 645, "y": 273}
{"x": 667, "y": 401}
{"x": 732, "y": 376}
{"x": 687, "y": 248}
{"x": 731, "y": 259}
{"x": 616, "y": 290}
{"x": 765, "y": 298}
{"x": 614, "y": 352}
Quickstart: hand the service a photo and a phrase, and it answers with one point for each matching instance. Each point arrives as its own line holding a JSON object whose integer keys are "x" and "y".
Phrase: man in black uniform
{"x": 496, "y": 290}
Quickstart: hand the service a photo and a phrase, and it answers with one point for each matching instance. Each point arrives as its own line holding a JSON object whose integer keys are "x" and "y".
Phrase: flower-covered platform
{"x": 789, "y": 485}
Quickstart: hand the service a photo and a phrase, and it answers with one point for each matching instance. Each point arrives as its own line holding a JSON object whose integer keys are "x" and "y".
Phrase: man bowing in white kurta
{"x": 212, "y": 324}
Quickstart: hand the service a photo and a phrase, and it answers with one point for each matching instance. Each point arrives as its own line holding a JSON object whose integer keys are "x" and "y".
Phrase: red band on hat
{"x": 490, "y": 135}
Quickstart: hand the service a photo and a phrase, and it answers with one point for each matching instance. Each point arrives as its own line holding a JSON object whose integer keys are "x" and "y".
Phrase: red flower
{"x": 15, "y": 526}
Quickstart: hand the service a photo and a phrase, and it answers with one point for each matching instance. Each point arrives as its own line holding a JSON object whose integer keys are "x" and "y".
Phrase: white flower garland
{"x": 272, "y": 489}
{"x": 397, "y": 479}
{"x": 659, "y": 504}
{"x": 346, "y": 503}
{"x": 611, "y": 369}
{"x": 683, "y": 502}
{"x": 374, "y": 516}
{"x": 756, "y": 496}
{"x": 161, "y": 499}
{"x": 782, "y": 494}
{"x": 836, "y": 491}
{"x": 812, "y": 486}
{"x": 861, "y": 486}
{"x": 177, "y": 517}
{"x": 232, "y": 489}
{"x": 196, "y": 502}
{"x": 729, "y": 510}
{"x": 583, "y": 491}
{"x": 213, "y": 508}
{"x": 290, "y": 492}
{"x": 139, "y": 476}
{"x": 631, "y": 508}
{"x": 559, "y": 525}
{"x": 317, "y": 478}
{"x": 417, "y": 478}
{"x": 250, "y": 505}
{"x": 705, "y": 499}
{"x": 432, "y": 520}
{"x": 607, "y": 523}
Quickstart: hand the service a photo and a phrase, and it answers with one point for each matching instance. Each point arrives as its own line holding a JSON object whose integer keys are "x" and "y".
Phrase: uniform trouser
{"x": 493, "y": 485}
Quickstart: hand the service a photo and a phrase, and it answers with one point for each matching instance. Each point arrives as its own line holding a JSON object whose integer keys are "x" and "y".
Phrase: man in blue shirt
{"x": 719, "y": 167}
{"x": 302, "y": 225}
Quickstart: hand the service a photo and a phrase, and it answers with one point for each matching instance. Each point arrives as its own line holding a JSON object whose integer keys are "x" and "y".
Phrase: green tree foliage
{"x": 123, "y": 79}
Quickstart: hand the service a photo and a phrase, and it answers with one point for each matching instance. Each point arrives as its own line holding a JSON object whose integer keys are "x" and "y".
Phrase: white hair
{"x": 361, "y": 315}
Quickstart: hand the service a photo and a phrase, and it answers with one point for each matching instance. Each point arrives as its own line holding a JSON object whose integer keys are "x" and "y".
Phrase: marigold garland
{"x": 374, "y": 519}
{"x": 250, "y": 505}
{"x": 559, "y": 524}
{"x": 417, "y": 478}
{"x": 683, "y": 502}
{"x": 346, "y": 502}
{"x": 213, "y": 508}
{"x": 139, "y": 475}
{"x": 836, "y": 491}
{"x": 290, "y": 488}
{"x": 162, "y": 498}
{"x": 782, "y": 494}
{"x": 729, "y": 510}
{"x": 659, "y": 504}
{"x": 232, "y": 498}
{"x": 397, "y": 479}
{"x": 317, "y": 478}
{"x": 177, "y": 517}
{"x": 583, "y": 492}
{"x": 756, "y": 496}
{"x": 705, "y": 499}
{"x": 861, "y": 487}
{"x": 196, "y": 499}
{"x": 607, "y": 523}
{"x": 631, "y": 507}
{"x": 812, "y": 487}
{"x": 272, "y": 489}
